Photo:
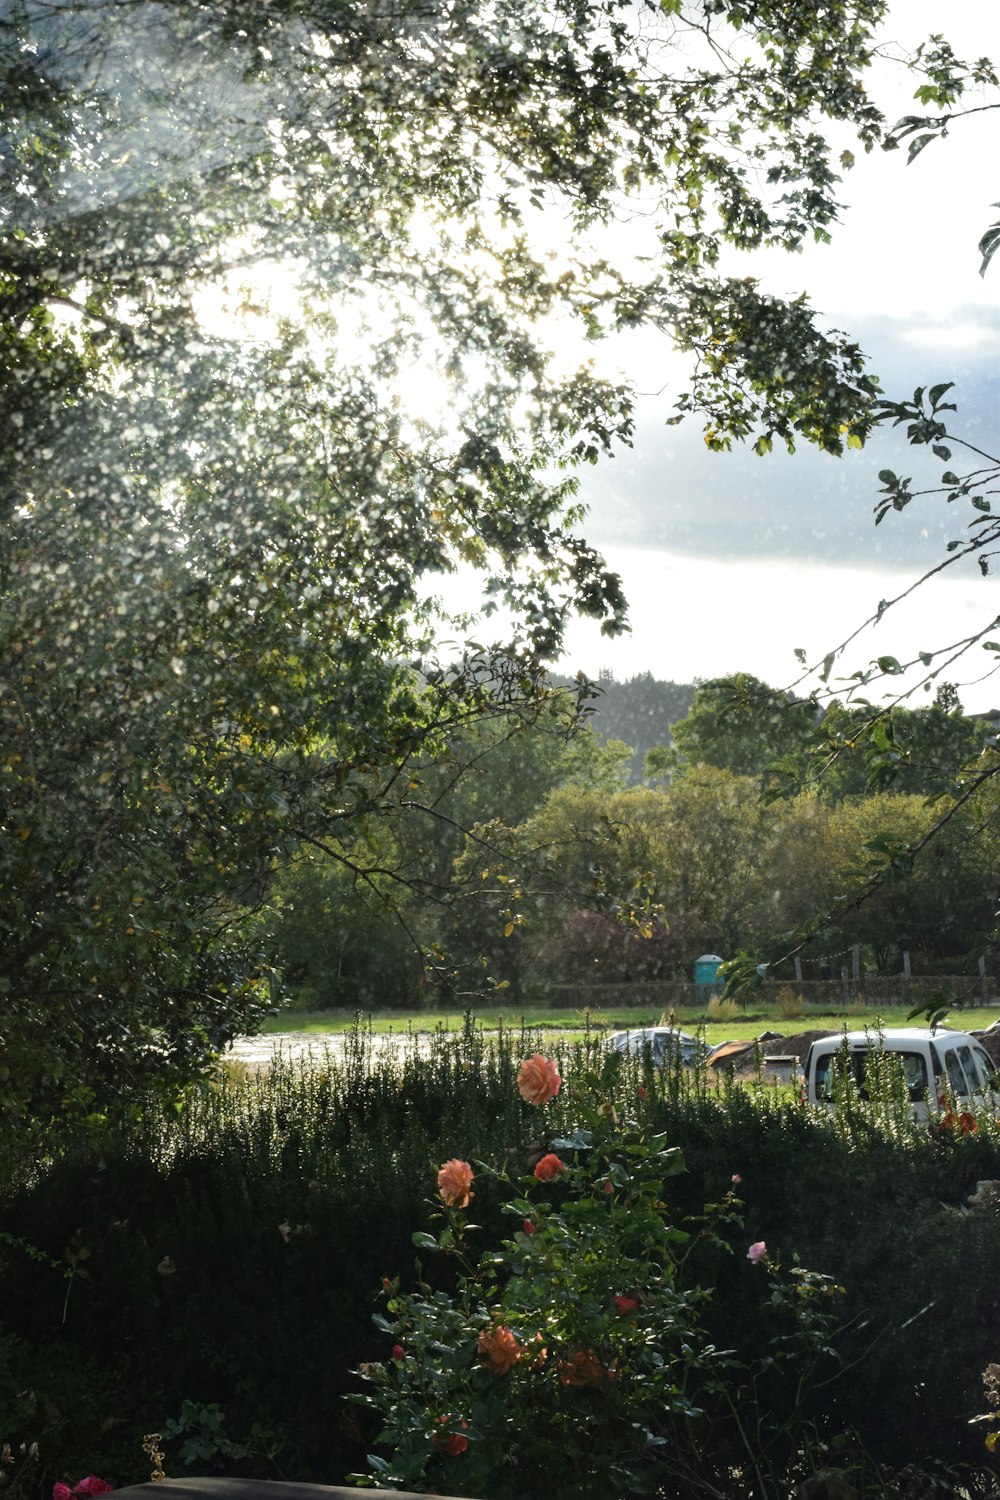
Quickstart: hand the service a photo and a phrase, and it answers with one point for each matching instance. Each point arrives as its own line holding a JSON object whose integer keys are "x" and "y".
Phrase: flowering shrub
{"x": 574, "y": 1359}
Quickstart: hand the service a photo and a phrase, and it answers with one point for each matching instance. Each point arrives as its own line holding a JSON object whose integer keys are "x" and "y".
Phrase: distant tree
{"x": 740, "y": 724}
{"x": 594, "y": 947}
{"x": 341, "y": 939}
{"x": 640, "y": 712}
{"x": 861, "y": 747}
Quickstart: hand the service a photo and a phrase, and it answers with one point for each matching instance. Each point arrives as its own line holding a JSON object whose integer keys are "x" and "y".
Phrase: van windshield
{"x": 913, "y": 1065}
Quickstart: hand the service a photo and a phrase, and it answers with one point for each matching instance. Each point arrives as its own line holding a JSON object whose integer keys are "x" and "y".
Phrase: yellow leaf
{"x": 508, "y": 929}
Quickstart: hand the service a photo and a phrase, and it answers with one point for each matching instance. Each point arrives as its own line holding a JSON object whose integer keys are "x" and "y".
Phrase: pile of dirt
{"x": 771, "y": 1044}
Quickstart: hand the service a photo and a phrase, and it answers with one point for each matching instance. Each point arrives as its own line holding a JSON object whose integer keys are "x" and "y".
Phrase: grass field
{"x": 573, "y": 1024}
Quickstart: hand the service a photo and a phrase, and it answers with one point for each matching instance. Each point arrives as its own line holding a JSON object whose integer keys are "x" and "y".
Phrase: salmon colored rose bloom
{"x": 500, "y": 1348}
{"x": 454, "y": 1183}
{"x": 538, "y": 1081}
{"x": 550, "y": 1166}
{"x": 452, "y": 1443}
{"x": 582, "y": 1368}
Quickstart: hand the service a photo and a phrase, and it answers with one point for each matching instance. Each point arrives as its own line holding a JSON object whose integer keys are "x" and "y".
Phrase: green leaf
{"x": 988, "y": 247}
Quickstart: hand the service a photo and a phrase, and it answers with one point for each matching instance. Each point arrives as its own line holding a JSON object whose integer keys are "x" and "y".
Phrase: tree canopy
{"x": 237, "y": 242}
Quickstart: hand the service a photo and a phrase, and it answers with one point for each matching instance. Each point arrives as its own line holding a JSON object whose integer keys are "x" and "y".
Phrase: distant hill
{"x": 639, "y": 711}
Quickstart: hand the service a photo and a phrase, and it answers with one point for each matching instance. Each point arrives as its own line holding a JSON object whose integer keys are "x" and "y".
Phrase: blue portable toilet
{"x": 706, "y": 968}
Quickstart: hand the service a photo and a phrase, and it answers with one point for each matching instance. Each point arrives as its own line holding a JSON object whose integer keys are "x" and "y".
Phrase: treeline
{"x": 640, "y": 712}
{"x": 529, "y": 860}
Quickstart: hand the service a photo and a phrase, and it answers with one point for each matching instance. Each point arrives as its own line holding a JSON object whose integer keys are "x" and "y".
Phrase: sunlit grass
{"x": 573, "y": 1025}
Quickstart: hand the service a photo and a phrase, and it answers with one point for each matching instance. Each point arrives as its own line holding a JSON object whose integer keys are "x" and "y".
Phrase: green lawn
{"x": 572, "y": 1024}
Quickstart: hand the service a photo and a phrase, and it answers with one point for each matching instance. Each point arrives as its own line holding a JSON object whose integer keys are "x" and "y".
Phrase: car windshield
{"x": 914, "y": 1070}
{"x": 661, "y": 1043}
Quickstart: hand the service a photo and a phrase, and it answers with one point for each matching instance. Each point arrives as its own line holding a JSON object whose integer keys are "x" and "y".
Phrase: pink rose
{"x": 538, "y": 1081}
{"x": 61, "y": 1492}
{"x": 757, "y": 1252}
{"x": 92, "y": 1486}
{"x": 736, "y": 1178}
{"x": 528, "y": 1227}
{"x": 550, "y": 1166}
{"x": 398, "y": 1352}
{"x": 454, "y": 1181}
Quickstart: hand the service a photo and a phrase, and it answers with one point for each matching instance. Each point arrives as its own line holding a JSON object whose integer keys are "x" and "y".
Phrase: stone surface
{"x": 247, "y": 1489}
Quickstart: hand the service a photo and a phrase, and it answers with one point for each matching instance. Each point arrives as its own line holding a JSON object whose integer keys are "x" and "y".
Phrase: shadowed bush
{"x": 233, "y": 1253}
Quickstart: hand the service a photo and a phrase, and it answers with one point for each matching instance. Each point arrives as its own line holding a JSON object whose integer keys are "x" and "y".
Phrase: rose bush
{"x": 574, "y": 1360}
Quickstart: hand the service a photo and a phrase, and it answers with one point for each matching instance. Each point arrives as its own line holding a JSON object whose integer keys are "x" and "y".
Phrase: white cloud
{"x": 703, "y": 618}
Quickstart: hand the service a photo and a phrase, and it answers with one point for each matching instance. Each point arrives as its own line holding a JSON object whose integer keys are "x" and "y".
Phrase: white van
{"x": 942, "y": 1070}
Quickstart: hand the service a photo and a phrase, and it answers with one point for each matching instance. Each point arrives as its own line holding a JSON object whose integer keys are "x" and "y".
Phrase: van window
{"x": 987, "y": 1068}
{"x": 956, "y": 1078}
{"x": 913, "y": 1066}
{"x": 971, "y": 1071}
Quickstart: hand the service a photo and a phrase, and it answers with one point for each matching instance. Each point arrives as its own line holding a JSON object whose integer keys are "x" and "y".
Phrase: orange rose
{"x": 550, "y": 1166}
{"x": 538, "y": 1081}
{"x": 500, "y": 1348}
{"x": 454, "y": 1182}
{"x": 452, "y": 1443}
{"x": 582, "y": 1368}
{"x": 962, "y": 1124}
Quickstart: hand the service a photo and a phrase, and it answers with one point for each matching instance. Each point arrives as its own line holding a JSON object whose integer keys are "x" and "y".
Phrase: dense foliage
{"x": 238, "y": 242}
{"x": 133, "y": 1272}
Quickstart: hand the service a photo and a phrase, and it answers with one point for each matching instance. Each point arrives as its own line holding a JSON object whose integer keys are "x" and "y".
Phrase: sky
{"x": 730, "y": 562}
